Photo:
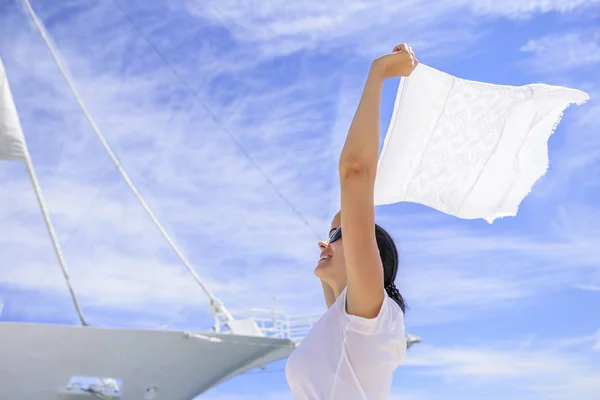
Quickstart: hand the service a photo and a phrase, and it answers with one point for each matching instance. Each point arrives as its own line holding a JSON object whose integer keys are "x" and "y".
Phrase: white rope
{"x": 216, "y": 305}
{"x": 53, "y": 238}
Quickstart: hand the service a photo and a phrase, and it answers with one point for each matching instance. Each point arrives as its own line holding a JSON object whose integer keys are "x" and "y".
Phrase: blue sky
{"x": 504, "y": 310}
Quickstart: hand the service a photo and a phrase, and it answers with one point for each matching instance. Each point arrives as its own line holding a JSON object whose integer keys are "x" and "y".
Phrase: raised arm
{"x": 357, "y": 168}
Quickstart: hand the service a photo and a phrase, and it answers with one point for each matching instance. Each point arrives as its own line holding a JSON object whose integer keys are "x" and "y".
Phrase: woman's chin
{"x": 320, "y": 270}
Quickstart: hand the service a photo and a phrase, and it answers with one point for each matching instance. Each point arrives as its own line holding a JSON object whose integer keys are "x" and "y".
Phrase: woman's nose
{"x": 323, "y": 244}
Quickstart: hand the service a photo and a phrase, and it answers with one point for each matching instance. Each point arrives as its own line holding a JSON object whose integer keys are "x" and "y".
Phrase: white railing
{"x": 274, "y": 324}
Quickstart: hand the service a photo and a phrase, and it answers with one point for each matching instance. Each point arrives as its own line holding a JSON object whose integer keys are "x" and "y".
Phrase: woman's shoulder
{"x": 390, "y": 318}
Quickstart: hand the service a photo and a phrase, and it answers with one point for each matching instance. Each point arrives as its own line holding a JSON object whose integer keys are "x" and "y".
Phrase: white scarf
{"x": 466, "y": 148}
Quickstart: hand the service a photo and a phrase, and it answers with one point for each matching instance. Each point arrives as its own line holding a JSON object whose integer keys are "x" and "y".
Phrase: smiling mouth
{"x": 324, "y": 258}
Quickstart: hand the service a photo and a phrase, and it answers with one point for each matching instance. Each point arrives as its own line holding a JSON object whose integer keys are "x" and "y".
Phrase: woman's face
{"x": 331, "y": 266}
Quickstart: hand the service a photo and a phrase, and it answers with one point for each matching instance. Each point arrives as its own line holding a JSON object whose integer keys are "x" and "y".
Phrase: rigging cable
{"x": 38, "y": 193}
{"x": 215, "y": 118}
{"x": 216, "y": 305}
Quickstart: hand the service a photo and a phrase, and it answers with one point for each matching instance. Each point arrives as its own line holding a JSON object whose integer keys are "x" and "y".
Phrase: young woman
{"x": 354, "y": 348}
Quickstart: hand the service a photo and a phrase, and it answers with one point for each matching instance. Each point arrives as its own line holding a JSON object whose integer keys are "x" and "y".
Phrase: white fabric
{"x": 466, "y": 148}
{"x": 348, "y": 357}
{"x": 12, "y": 142}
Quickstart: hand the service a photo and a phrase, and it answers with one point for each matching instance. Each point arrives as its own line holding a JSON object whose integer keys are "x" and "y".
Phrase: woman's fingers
{"x": 400, "y": 47}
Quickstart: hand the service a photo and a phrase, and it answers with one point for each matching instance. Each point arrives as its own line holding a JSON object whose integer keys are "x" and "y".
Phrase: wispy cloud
{"x": 596, "y": 345}
{"x": 539, "y": 370}
{"x": 590, "y": 288}
{"x": 362, "y": 27}
{"x": 528, "y": 8}
{"x": 459, "y": 270}
{"x": 564, "y": 52}
{"x": 570, "y": 58}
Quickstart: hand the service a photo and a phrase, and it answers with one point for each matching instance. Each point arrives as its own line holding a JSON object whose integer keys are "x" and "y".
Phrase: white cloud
{"x": 566, "y": 52}
{"x": 539, "y": 370}
{"x": 527, "y": 8}
{"x": 570, "y": 58}
{"x": 596, "y": 345}
{"x": 590, "y": 288}
{"x": 363, "y": 27}
{"x": 446, "y": 269}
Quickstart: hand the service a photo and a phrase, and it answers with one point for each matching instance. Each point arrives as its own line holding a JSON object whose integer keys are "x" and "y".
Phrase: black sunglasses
{"x": 335, "y": 235}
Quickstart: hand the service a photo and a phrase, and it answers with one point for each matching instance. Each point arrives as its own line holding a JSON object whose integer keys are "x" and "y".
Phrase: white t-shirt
{"x": 347, "y": 357}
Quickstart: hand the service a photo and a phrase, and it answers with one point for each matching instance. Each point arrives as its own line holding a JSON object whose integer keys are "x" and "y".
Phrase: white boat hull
{"x": 38, "y": 360}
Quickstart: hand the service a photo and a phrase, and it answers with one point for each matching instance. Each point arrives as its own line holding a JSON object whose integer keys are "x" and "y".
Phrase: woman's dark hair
{"x": 389, "y": 258}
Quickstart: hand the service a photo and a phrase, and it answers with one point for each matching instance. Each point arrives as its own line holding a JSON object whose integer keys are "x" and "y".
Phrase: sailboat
{"x": 69, "y": 362}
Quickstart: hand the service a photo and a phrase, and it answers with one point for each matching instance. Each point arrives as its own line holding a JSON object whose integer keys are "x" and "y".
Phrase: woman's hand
{"x": 400, "y": 62}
